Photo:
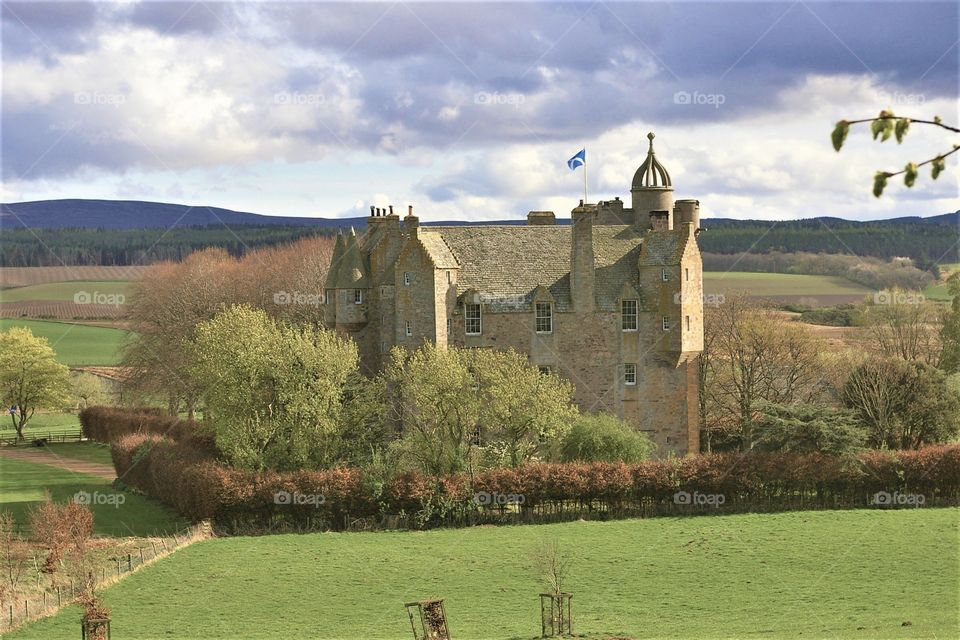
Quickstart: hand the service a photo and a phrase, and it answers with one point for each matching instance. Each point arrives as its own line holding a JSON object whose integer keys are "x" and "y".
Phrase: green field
{"x": 22, "y": 485}
{"x": 781, "y": 284}
{"x": 76, "y": 344}
{"x": 937, "y": 292}
{"x": 828, "y": 574}
{"x": 63, "y": 290}
{"x": 43, "y": 423}
{"x": 85, "y": 451}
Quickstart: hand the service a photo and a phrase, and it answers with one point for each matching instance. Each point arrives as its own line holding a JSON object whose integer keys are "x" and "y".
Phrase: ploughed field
{"x": 785, "y": 287}
{"x": 831, "y": 574}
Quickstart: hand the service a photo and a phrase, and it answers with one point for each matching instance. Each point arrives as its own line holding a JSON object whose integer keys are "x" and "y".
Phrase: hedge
{"x": 198, "y": 487}
{"x": 109, "y": 424}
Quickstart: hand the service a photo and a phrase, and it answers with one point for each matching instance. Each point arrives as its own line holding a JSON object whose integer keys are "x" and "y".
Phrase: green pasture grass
{"x": 938, "y": 292}
{"x": 780, "y": 284}
{"x": 85, "y": 451}
{"x": 63, "y": 290}
{"x": 22, "y": 486}
{"x": 76, "y": 344}
{"x": 42, "y": 424}
{"x": 826, "y": 574}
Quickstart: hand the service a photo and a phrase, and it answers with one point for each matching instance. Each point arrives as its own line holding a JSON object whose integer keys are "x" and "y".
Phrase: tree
{"x": 520, "y": 408}
{"x": 756, "y": 355}
{"x": 887, "y": 125}
{"x": 604, "y": 437}
{"x": 804, "y": 428}
{"x": 902, "y": 324}
{"x": 14, "y": 554}
{"x": 904, "y": 404}
{"x": 89, "y": 390}
{"x": 274, "y": 392}
{"x": 434, "y": 401}
{"x": 950, "y": 331}
{"x": 30, "y": 376}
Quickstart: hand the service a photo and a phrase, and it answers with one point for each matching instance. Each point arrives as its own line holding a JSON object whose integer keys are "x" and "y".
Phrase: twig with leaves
{"x": 888, "y": 125}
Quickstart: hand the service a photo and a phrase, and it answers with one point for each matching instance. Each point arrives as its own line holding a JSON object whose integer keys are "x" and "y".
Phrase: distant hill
{"x": 123, "y": 232}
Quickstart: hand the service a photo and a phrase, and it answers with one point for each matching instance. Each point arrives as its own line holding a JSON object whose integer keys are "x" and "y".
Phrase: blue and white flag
{"x": 578, "y": 160}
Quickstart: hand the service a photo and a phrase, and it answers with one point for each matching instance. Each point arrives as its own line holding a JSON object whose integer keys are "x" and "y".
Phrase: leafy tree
{"x": 434, "y": 403}
{"x": 950, "y": 332}
{"x": 520, "y": 408}
{"x": 89, "y": 390}
{"x": 804, "y": 428}
{"x": 274, "y": 392}
{"x": 604, "y": 437}
{"x": 887, "y": 125}
{"x": 30, "y": 376}
{"x": 905, "y": 404}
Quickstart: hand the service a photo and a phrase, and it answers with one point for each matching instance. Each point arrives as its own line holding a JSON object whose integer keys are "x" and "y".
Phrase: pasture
{"x": 76, "y": 344}
{"x": 827, "y": 574}
{"x": 785, "y": 287}
{"x": 23, "y": 484}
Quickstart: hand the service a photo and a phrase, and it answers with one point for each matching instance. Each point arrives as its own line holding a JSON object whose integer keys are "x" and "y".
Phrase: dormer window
{"x": 472, "y": 319}
{"x": 358, "y": 296}
{"x": 544, "y": 317}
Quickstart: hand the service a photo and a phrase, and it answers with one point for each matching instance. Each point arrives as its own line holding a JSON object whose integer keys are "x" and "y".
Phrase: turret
{"x": 652, "y": 189}
{"x": 330, "y": 285}
{"x": 352, "y": 284}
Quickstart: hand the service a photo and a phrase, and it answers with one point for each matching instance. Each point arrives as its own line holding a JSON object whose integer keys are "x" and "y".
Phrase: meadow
{"x": 837, "y": 574}
{"x": 781, "y": 284}
{"x": 76, "y": 344}
{"x": 23, "y": 484}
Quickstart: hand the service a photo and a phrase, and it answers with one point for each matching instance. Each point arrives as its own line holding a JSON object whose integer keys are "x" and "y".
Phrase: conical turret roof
{"x": 352, "y": 272}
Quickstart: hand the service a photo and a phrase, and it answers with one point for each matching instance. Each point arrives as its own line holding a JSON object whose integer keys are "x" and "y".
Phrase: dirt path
{"x": 104, "y": 471}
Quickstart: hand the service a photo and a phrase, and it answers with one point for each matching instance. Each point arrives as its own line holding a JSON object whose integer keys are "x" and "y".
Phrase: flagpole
{"x": 585, "y": 175}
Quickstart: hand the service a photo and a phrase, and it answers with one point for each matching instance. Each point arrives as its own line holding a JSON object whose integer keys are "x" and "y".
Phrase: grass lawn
{"x": 43, "y": 423}
{"x": 76, "y": 344}
{"x": 63, "y": 290}
{"x": 22, "y": 485}
{"x": 780, "y": 284}
{"x": 828, "y": 574}
{"x": 86, "y": 451}
{"x": 938, "y": 292}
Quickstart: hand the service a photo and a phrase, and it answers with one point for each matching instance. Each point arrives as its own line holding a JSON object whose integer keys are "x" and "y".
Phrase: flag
{"x": 578, "y": 160}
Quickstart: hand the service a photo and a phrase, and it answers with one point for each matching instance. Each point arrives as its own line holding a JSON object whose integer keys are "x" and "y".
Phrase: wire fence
{"x": 51, "y": 597}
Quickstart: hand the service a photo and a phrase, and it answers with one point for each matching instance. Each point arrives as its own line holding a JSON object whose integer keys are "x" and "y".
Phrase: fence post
{"x": 154, "y": 545}
{"x": 11, "y": 615}
{"x": 44, "y": 599}
{"x": 118, "y": 566}
{"x": 129, "y": 562}
{"x": 59, "y": 598}
{"x": 141, "y": 555}
{"x": 26, "y": 608}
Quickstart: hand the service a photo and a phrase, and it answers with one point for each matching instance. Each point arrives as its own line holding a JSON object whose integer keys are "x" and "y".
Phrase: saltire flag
{"x": 578, "y": 160}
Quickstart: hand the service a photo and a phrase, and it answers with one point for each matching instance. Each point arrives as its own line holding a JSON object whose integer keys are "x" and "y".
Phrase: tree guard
{"x": 556, "y": 615}
{"x": 432, "y": 617}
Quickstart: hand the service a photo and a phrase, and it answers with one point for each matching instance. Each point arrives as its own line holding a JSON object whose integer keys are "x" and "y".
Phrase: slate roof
{"x": 504, "y": 264}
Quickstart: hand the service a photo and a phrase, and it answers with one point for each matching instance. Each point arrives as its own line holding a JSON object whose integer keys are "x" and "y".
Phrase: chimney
{"x": 535, "y": 218}
{"x": 660, "y": 220}
{"x": 685, "y": 211}
{"x": 391, "y": 209}
{"x": 411, "y": 223}
{"x": 582, "y": 266}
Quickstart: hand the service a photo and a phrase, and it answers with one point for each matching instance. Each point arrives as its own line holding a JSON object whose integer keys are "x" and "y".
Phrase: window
{"x": 688, "y": 323}
{"x": 629, "y": 314}
{"x": 544, "y": 314}
{"x": 449, "y": 326}
{"x": 666, "y": 323}
{"x": 664, "y": 275}
{"x": 406, "y": 278}
{"x": 630, "y": 374}
{"x": 544, "y": 370}
{"x": 328, "y": 296}
{"x": 687, "y": 272}
{"x": 408, "y": 328}
{"x": 358, "y": 296}
{"x": 471, "y": 315}
{"x": 449, "y": 277}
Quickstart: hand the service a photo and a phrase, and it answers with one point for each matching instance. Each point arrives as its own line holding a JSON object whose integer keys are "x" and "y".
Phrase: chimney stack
{"x": 660, "y": 220}
{"x": 541, "y": 218}
{"x": 582, "y": 264}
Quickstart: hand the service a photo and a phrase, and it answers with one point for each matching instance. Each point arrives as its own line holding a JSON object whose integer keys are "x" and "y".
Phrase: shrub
{"x": 604, "y": 437}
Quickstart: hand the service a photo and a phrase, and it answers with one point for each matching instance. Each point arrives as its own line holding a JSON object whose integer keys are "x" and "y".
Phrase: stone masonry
{"x": 613, "y": 301}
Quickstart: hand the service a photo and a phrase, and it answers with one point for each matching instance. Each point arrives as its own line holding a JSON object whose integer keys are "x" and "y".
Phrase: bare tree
{"x": 901, "y": 324}
{"x": 552, "y": 565}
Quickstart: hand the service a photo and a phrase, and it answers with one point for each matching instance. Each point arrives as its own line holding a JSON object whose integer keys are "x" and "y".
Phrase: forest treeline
{"x": 122, "y": 247}
{"x": 927, "y": 242}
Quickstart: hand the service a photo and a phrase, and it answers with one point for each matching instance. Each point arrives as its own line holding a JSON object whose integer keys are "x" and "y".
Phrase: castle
{"x": 613, "y": 301}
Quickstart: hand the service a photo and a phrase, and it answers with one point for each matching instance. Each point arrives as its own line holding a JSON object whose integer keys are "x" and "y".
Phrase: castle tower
{"x": 652, "y": 189}
{"x": 352, "y": 285}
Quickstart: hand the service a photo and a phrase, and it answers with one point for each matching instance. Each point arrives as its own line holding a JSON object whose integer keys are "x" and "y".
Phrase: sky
{"x": 470, "y": 110}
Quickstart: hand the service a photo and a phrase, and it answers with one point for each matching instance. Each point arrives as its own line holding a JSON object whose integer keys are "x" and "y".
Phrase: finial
{"x": 651, "y": 136}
